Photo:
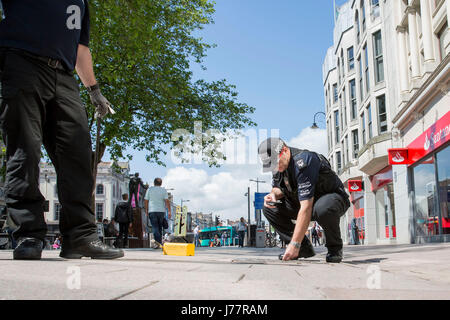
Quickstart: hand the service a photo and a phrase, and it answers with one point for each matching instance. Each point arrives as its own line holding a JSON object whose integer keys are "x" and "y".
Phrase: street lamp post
{"x": 182, "y": 203}
{"x": 258, "y": 222}
{"x": 248, "y": 221}
{"x": 315, "y": 126}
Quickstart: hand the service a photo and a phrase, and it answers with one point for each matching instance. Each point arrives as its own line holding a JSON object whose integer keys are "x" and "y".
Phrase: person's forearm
{"x": 85, "y": 67}
{"x": 303, "y": 220}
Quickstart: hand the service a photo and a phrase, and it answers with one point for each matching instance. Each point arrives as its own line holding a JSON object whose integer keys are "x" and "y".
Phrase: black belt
{"x": 52, "y": 63}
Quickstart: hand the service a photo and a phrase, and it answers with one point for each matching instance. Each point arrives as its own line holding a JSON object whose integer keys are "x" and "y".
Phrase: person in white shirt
{"x": 196, "y": 236}
{"x": 156, "y": 202}
{"x": 242, "y": 227}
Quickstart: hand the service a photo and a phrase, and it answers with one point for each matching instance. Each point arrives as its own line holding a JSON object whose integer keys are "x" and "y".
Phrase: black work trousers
{"x": 123, "y": 234}
{"x": 327, "y": 211}
{"x": 41, "y": 105}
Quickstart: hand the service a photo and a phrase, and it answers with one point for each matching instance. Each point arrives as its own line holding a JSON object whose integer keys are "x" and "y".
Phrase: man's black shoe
{"x": 94, "y": 249}
{"x": 67, "y": 251}
{"x": 307, "y": 249}
{"x": 334, "y": 256}
{"x": 28, "y": 249}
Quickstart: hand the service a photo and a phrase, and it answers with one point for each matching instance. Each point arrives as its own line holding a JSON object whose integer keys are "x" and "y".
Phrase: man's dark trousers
{"x": 327, "y": 211}
{"x": 123, "y": 233}
{"x": 156, "y": 219}
{"x": 41, "y": 105}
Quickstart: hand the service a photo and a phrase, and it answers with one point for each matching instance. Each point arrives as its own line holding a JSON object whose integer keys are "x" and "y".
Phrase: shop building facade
{"x": 392, "y": 86}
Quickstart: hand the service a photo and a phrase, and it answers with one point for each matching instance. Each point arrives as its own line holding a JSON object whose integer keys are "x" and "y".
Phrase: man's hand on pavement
{"x": 291, "y": 253}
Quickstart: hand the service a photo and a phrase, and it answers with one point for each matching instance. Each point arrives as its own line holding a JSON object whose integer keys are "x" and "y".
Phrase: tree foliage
{"x": 142, "y": 52}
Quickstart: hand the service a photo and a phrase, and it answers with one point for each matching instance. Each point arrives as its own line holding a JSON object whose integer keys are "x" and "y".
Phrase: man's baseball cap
{"x": 269, "y": 151}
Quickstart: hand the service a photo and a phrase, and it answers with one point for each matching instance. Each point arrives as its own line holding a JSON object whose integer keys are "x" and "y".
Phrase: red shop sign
{"x": 398, "y": 156}
{"x": 437, "y": 135}
{"x": 381, "y": 179}
{"x": 355, "y": 185}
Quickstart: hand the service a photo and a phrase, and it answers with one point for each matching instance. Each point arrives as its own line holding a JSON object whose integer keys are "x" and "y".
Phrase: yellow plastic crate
{"x": 179, "y": 249}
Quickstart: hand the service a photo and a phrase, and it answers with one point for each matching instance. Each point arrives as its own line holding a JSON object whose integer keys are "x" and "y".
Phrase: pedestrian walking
{"x": 242, "y": 228}
{"x": 355, "y": 232}
{"x": 315, "y": 235}
{"x": 307, "y": 190}
{"x": 123, "y": 215}
{"x": 156, "y": 202}
{"x": 197, "y": 236}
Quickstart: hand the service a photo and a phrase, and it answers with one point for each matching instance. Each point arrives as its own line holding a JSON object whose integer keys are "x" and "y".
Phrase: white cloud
{"x": 312, "y": 140}
{"x": 222, "y": 192}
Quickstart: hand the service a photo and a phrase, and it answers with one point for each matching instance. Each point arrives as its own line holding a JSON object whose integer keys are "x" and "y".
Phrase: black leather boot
{"x": 28, "y": 249}
{"x": 94, "y": 249}
{"x": 334, "y": 256}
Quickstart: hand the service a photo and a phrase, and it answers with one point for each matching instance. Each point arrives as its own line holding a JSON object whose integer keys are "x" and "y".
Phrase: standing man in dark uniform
{"x": 41, "y": 43}
{"x": 310, "y": 191}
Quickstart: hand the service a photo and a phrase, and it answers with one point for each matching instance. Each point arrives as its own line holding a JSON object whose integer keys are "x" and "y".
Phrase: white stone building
{"x": 386, "y": 81}
{"x": 111, "y": 182}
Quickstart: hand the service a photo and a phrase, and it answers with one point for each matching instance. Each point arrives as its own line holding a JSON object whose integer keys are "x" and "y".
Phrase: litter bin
{"x": 260, "y": 238}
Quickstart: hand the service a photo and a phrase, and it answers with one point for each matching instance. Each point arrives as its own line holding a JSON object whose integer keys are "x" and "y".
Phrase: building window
{"x": 99, "y": 212}
{"x": 351, "y": 59}
{"x": 353, "y": 98}
{"x": 375, "y": 8}
{"x": 442, "y": 35}
{"x": 56, "y": 191}
{"x": 369, "y": 121}
{"x": 343, "y": 63}
{"x": 378, "y": 57}
{"x": 361, "y": 87}
{"x": 382, "y": 116}
{"x": 363, "y": 12}
{"x": 100, "y": 189}
{"x": 358, "y": 29}
{"x": 345, "y": 106}
{"x": 339, "y": 70}
{"x": 336, "y": 125}
{"x": 57, "y": 212}
{"x": 363, "y": 127}
{"x": 347, "y": 159}
{"x": 355, "y": 143}
{"x": 335, "y": 93}
{"x": 338, "y": 161}
{"x": 366, "y": 55}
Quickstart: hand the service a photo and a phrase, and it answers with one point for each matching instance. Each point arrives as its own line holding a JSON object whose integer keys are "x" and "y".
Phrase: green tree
{"x": 142, "y": 52}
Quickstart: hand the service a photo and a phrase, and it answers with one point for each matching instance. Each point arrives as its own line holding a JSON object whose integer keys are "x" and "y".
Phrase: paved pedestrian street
{"x": 367, "y": 272}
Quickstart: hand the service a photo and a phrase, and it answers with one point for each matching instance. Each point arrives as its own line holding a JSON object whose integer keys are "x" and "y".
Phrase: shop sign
{"x": 382, "y": 178}
{"x": 398, "y": 156}
{"x": 355, "y": 186}
{"x": 437, "y": 135}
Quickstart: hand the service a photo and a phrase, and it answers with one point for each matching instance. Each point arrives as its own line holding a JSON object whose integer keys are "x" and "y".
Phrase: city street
{"x": 367, "y": 272}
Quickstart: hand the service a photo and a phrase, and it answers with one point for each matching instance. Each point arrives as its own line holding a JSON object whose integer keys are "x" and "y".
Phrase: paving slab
{"x": 230, "y": 273}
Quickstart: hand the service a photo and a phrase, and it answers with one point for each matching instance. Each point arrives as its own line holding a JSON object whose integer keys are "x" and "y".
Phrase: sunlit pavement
{"x": 367, "y": 272}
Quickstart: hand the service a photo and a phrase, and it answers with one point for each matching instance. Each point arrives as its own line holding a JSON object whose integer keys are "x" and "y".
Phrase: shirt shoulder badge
{"x": 301, "y": 164}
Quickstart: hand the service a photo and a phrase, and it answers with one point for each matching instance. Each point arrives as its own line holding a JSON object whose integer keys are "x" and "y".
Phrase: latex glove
{"x": 102, "y": 105}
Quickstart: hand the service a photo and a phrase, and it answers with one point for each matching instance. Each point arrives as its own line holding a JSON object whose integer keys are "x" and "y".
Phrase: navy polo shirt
{"x": 302, "y": 175}
{"x": 48, "y": 28}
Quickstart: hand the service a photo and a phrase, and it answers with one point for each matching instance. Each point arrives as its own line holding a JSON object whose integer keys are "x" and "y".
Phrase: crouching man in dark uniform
{"x": 41, "y": 43}
{"x": 309, "y": 190}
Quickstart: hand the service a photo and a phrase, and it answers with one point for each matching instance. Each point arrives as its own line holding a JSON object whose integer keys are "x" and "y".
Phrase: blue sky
{"x": 273, "y": 52}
